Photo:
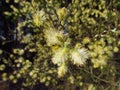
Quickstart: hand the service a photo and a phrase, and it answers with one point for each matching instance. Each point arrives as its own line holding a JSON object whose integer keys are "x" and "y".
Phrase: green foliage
{"x": 77, "y": 45}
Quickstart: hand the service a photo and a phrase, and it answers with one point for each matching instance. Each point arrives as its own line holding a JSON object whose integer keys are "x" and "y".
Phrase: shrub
{"x": 65, "y": 46}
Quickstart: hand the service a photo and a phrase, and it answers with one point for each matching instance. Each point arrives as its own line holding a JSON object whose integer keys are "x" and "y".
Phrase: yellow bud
{"x": 55, "y": 48}
{"x": 16, "y": 1}
{"x": 78, "y": 45}
{"x": 48, "y": 78}
{"x": 21, "y": 52}
{"x": 43, "y": 80}
{"x": 62, "y": 70}
{"x": 62, "y": 12}
{"x": 0, "y": 52}
{"x": 116, "y": 49}
{"x": 7, "y": 1}
{"x": 15, "y": 81}
{"x": 81, "y": 83}
{"x": 37, "y": 19}
{"x": 11, "y": 77}
{"x": 86, "y": 40}
{"x": 96, "y": 65}
{"x": 47, "y": 83}
{"x": 31, "y": 73}
{"x": 91, "y": 87}
{"x": 4, "y": 76}
{"x": 118, "y": 43}
{"x": 71, "y": 79}
{"x": 18, "y": 75}
{"x": 2, "y": 67}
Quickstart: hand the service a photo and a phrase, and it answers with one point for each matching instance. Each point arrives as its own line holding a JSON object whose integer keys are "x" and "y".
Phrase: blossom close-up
{"x": 79, "y": 56}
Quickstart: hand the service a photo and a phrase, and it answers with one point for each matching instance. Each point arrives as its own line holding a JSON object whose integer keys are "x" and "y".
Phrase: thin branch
{"x": 108, "y": 82}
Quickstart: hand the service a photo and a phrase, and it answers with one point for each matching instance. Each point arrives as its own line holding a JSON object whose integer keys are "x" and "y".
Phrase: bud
{"x": 62, "y": 13}
{"x": 62, "y": 70}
